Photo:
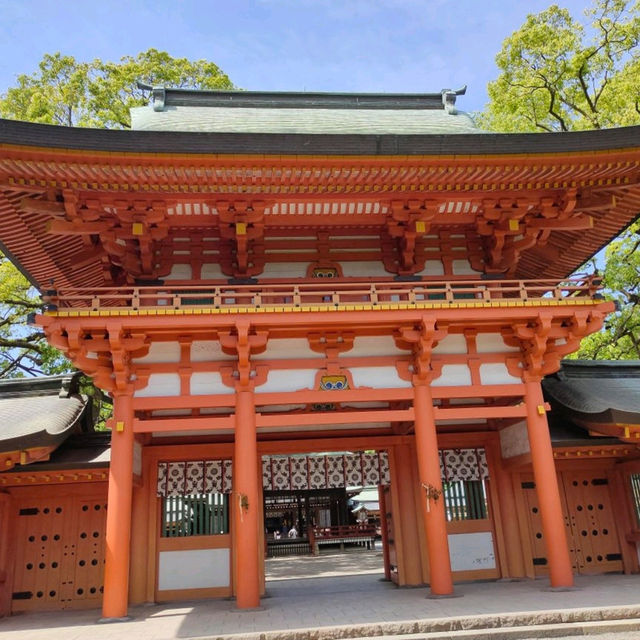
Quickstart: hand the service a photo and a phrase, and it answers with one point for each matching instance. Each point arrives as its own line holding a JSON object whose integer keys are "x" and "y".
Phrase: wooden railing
{"x": 317, "y": 296}
{"x": 344, "y": 532}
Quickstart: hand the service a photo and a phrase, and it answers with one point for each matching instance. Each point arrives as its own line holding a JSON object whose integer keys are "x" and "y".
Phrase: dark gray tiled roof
{"x": 55, "y": 137}
{"x": 600, "y": 391}
{"x": 38, "y": 412}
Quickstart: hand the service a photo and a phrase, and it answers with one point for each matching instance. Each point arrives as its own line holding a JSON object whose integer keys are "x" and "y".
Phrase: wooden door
{"x": 590, "y": 524}
{"x": 59, "y": 561}
{"x": 593, "y": 527}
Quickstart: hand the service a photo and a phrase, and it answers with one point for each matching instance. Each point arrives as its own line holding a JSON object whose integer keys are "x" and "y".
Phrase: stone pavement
{"x": 341, "y": 595}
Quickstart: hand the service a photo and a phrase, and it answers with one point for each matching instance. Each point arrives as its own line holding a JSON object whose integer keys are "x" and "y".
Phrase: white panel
{"x": 295, "y": 348}
{"x": 374, "y": 346}
{"x": 492, "y": 343}
{"x": 205, "y": 383}
{"x": 453, "y": 343}
{"x": 432, "y": 268}
{"x": 285, "y": 270}
{"x": 211, "y": 271}
{"x": 289, "y": 380}
{"x": 363, "y": 269}
{"x": 179, "y": 272}
{"x": 161, "y": 352}
{"x": 497, "y": 373}
{"x": 453, "y": 375}
{"x": 378, "y": 378}
{"x": 471, "y": 551}
{"x": 462, "y": 268}
{"x": 196, "y": 569}
{"x": 208, "y": 351}
{"x": 160, "y": 384}
{"x": 514, "y": 440}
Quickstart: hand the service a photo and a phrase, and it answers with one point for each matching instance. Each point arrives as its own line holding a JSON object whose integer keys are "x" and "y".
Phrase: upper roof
{"x": 337, "y": 146}
{"x": 302, "y": 113}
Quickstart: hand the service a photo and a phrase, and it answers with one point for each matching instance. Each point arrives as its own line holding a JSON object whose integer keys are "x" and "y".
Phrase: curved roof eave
{"x": 18, "y": 133}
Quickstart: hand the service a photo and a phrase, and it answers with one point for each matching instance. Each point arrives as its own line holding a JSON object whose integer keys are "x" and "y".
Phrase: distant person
{"x": 293, "y": 532}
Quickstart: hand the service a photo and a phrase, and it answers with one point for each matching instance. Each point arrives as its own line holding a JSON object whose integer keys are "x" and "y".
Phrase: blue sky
{"x": 313, "y": 45}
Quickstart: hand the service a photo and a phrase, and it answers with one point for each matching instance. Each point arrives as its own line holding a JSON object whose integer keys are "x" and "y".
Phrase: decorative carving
{"x": 510, "y": 226}
{"x": 244, "y": 342}
{"x": 242, "y": 225}
{"x": 546, "y": 340}
{"x": 407, "y": 222}
{"x": 104, "y": 355}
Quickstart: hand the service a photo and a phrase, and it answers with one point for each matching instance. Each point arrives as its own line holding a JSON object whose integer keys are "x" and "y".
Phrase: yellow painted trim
{"x": 380, "y": 306}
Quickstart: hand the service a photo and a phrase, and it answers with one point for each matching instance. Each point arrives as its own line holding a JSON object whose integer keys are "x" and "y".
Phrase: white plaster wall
{"x": 492, "y": 343}
{"x": 211, "y": 271}
{"x": 378, "y": 378}
{"x": 453, "y": 375}
{"x": 363, "y": 269}
{"x": 496, "y": 373}
{"x": 432, "y": 268}
{"x": 374, "y": 346}
{"x": 208, "y": 351}
{"x": 161, "y": 352}
{"x": 471, "y": 551}
{"x": 514, "y": 440}
{"x": 204, "y": 383}
{"x": 285, "y": 270}
{"x": 451, "y": 344}
{"x": 279, "y": 349}
{"x": 160, "y": 384}
{"x": 195, "y": 569}
{"x": 290, "y": 380}
{"x": 179, "y": 272}
{"x": 462, "y": 268}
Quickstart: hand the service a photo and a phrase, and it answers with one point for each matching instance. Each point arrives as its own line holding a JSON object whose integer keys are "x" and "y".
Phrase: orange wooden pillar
{"x": 118, "y": 535}
{"x": 246, "y": 508}
{"x": 440, "y": 579}
{"x": 384, "y": 532}
{"x": 544, "y": 471}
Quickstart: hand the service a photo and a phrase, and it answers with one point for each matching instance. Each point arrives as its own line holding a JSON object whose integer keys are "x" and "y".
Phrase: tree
{"x": 23, "y": 349}
{"x": 561, "y": 74}
{"x": 620, "y": 338}
{"x": 66, "y": 92}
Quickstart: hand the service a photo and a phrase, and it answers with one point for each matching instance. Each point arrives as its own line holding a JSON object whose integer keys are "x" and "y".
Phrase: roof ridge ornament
{"x": 158, "y": 95}
{"x": 449, "y": 98}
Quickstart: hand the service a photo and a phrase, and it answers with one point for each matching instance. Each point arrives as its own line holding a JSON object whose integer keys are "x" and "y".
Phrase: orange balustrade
{"x": 322, "y": 295}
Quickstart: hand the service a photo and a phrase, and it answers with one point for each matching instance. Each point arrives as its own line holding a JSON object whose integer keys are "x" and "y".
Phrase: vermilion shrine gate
{"x": 255, "y": 277}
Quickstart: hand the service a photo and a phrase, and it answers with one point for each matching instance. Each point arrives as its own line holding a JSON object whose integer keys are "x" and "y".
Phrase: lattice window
{"x": 465, "y": 500}
{"x": 198, "y": 514}
{"x": 635, "y": 492}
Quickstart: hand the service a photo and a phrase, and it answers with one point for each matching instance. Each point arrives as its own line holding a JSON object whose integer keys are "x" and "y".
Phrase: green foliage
{"x": 66, "y": 92}
{"x": 23, "y": 349}
{"x": 561, "y": 74}
{"x": 620, "y": 339}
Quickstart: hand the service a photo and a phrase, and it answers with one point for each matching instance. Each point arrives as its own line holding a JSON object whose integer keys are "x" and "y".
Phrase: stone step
{"x": 528, "y": 632}
{"x": 554, "y": 623}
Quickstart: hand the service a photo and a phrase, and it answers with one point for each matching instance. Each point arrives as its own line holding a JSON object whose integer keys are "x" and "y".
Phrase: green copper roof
{"x": 302, "y": 113}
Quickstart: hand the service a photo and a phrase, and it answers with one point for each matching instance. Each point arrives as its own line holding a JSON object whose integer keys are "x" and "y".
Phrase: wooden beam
{"x": 183, "y": 423}
{"x": 471, "y": 413}
{"x": 332, "y": 417}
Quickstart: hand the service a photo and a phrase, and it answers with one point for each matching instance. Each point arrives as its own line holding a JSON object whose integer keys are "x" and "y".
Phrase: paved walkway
{"x": 348, "y": 592}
